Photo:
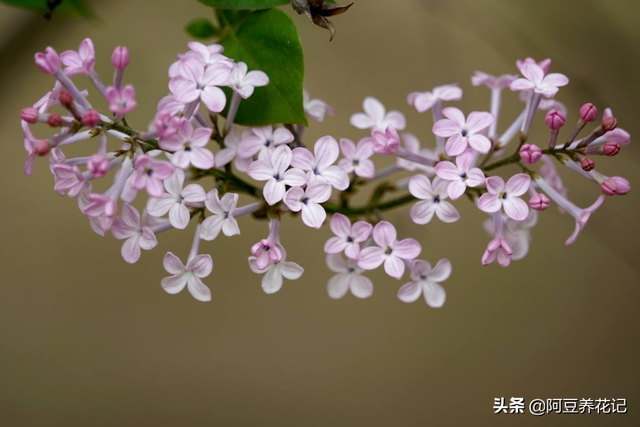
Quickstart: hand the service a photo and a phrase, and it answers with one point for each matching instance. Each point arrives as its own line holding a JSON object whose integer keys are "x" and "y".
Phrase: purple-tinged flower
{"x": 262, "y": 139}
{"x": 309, "y": 201}
{"x": 264, "y": 252}
{"x": 461, "y": 175}
{"x": 120, "y": 57}
{"x": 68, "y": 179}
{"x": 177, "y": 200}
{"x": 497, "y": 250}
{"x": 375, "y": 117}
{"x": 387, "y": 142}
{"x": 492, "y": 82}
{"x": 244, "y": 82}
{"x": 121, "y": 101}
{"x": 136, "y": 233}
{"x": 197, "y": 82}
{"x": 389, "y": 250}
{"x": 80, "y": 62}
{"x": 230, "y": 150}
{"x": 273, "y": 169}
{"x": 530, "y": 153}
{"x": 539, "y": 202}
{"x": 426, "y": 280}
{"x": 616, "y": 185}
{"x": 412, "y": 146}
{"x": 536, "y": 81}
{"x": 274, "y": 272}
{"x": 545, "y": 64}
{"x": 347, "y": 237}
{"x": 348, "y": 277}
{"x": 433, "y": 200}
{"x": 462, "y": 132}
{"x": 188, "y": 146}
{"x": 207, "y": 54}
{"x": 517, "y": 234}
{"x": 316, "y": 108}
{"x": 150, "y": 174}
{"x": 222, "y": 218}
{"x": 191, "y": 275}
{"x": 321, "y": 163}
{"x": 423, "y": 101}
{"x": 49, "y": 61}
{"x": 30, "y": 144}
{"x": 98, "y": 165}
{"x": 500, "y": 195}
{"x": 357, "y": 157}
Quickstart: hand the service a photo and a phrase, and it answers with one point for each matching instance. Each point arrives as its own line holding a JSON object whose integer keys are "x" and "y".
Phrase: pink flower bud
{"x": 611, "y": 149}
{"x": 65, "y": 98}
{"x": 609, "y": 124}
{"x": 530, "y": 153}
{"x": 49, "y": 61}
{"x": 120, "y": 57}
{"x": 91, "y": 118}
{"x": 554, "y": 119}
{"x": 54, "y": 120}
{"x": 588, "y": 112}
{"x": 42, "y": 148}
{"x": 98, "y": 165}
{"x": 387, "y": 142}
{"x": 587, "y": 164}
{"x": 615, "y": 186}
{"x": 539, "y": 202}
{"x": 29, "y": 115}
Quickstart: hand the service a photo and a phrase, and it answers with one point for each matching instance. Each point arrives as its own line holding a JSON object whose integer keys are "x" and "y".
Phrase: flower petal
{"x": 410, "y": 292}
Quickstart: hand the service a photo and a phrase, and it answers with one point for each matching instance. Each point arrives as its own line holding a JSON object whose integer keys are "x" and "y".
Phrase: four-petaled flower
{"x": 348, "y": 277}
{"x": 188, "y": 146}
{"x": 190, "y": 275}
{"x": 389, "y": 250}
{"x": 150, "y": 174}
{"x": 273, "y": 169}
{"x": 500, "y": 195}
{"x": 309, "y": 201}
{"x": 497, "y": 250}
{"x": 461, "y": 175}
{"x": 137, "y": 233}
{"x": 274, "y": 271}
{"x": 121, "y": 101}
{"x": 462, "y": 132}
{"x": 80, "y": 62}
{"x": 357, "y": 157}
{"x": 245, "y": 82}
{"x": 196, "y": 81}
{"x": 433, "y": 200}
{"x": 321, "y": 163}
{"x": 347, "y": 237}
{"x": 536, "y": 81}
{"x": 222, "y": 218}
{"x": 176, "y": 200}
{"x": 262, "y": 139}
{"x": 423, "y": 101}
{"x": 315, "y": 108}
{"x": 375, "y": 117}
{"x": 426, "y": 281}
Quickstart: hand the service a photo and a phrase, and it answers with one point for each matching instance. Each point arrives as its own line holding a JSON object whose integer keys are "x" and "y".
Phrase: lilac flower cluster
{"x": 184, "y": 142}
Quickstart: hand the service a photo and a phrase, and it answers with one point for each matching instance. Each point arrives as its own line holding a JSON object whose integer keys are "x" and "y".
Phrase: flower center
{"x": 502, "y": 195}
{"x": 355, "y": 162}
{"x": 305, "y": 200}
{"x": 464, "y": 132}
{"x": 388, "y": 251}
{"x": 187, "y": 146}
{"x": 436, "y": 199}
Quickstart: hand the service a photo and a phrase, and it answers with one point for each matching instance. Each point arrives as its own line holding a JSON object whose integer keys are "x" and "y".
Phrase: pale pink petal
{"x": 201, "y": 158}
{"x": 516, "y": 209}
{"x": 446, "y": 128}
{"x": 361, "y": 231}
{"x": 160, "y": 206}
{"x": 454, "y": 114}
{"x": 337, "y": 263}
{"x": 272, "y": 281}
{"x": 273, "y": 191}
{"x": 313, "y": 214}
{"x": 194, "y": 193}
{"x": 407, "y": 249}
{"x": 374, "y": 109}
{"x": 198, "y": 290}
{"x": 394, "y": 267}
{"x": 384, "y": 234}
{"x": 456, "y": 145}
{"x": 340, "y": 225}
{"x": 495, "y": 184}
{"x": 326, "y": 151}
{"x": 532, "y": 72}
{"x": 338, "y": 286}
{"x": 174, "y": 284}
{"x": 434, "y": 294}
{"x": 420, "y": 187}
{"x": 172, "y": 264}
{"x": 441, "y": 271}
{"x": 337, "y": 177}
{"x": 448, "y": 171}
{"x": 422, "y": 212}
{"x": 131, "y": 250}
{"x": 518, "y": 184}
{"x": 396, "y": 119}
{"x": 475, "y": 178}
{"x": 291, "y": 270}
{"x": 489, "y": 203}
{"x": 479, "y": 121}
{"x": 201, "y": 265}
{"x": 410, "y": 292}
{"x": 465, "y": 160}
{"x": 371, "y": 258}
{"x": 447, "y": 213}
{"x": 456, "y": 189}
{"x": 522, "y": 85}
{"x": 335, "y": 245}
{"x": 361, "y": 287}
{"x": 361, "y": 121}
{"x": 480, "y": 143}
{"x": 179, "y": 216}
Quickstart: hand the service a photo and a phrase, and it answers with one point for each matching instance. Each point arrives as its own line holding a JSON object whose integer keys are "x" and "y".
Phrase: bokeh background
{"x": 86, "y": 339}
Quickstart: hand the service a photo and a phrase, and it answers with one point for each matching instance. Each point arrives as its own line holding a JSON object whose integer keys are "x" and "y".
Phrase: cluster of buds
{"x": 185, "y": 142}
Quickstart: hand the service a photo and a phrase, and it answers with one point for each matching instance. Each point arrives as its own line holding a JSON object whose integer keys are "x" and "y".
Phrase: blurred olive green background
{"x": 86, "y": 339}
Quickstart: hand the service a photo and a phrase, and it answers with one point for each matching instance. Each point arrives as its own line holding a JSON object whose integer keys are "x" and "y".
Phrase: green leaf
{"x": 73, "y": 7}
{"x": 243, "y": 4}
{"x": 201, "y": 29}
{"x": 268, "y": 40}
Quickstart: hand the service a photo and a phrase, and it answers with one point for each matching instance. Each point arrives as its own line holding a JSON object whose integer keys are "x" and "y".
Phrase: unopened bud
{"x": 611, "y": 149}
{"x": 530, "y": 153}
{"x": 587, "y": 164}
{"x": 42, "y": 148}
{"x": 54, "y": 120}
{"x": 98, "y": 165}
{"x": 609, "y": 124}
{"x": 90, "y": 118}
{"x": 120, "y": 57}
{"x": 29, "y": 115}
{"x": 49, "y": 61}
{"x": 539, "y": 202}
{"x": 588, "y": 112}
{"x": 66, "y": 99}
{"x": 554, "y": 119}
{"x": 616, "y": 185}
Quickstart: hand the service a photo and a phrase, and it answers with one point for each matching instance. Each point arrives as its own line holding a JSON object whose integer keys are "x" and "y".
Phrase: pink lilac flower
{"x": 426, "y": 280}
{"x": 492, "y": 82}
{"x": 500, "y": 195}
{"x": 49, "y": 61}
{"x": 68, "y": 179}
{"x": 348, "y": 277}
{"x": 176, "y": 200}
{"x": 262, "y": 139}
{"x": 497, "y": 250}
{"x": 536, "y": 81}
{"x": 137, "y": 235}
{"x": 275, "y": 271}
{"x": 347, "y": 237}
{"x": 461, "y": 175}
{"x": 100, "y": 223}
{"x": 121, "y": 101}
{"x": 375, "y": 117}
{"x": 188, "y": 146}
{"x": 517, "y": 234}
{"x": 316, "y": 108}
{"x": 309, "y": 202}
{"x": 80, "y": 62}
{"x": 423, "y": 101}
{"x": 98, "y": 165}
{"x": 433, "y": 200}
{"x": 30, "y": 144}
{"x": 357, "y": 157}
{"x": 387, "y": 142}
{"x": 321, "y": 163}
{"x": 207, "y": 54}
{"x": 389, "y": 251}
{"x": 462, "y": 132}
{"x": 120, "y": 57}
{"x": 273, "y": 169}
{"x": 189, "y": 275}
{"x": 197, "y": 82}
{"x": 150, "y": 174}
{"x": 264, "y": 252}
{"x": 230, "y": 150}
{"x": 222, "y": 218}
{"x": 545, "y": 64}
{"x": 244, "y": 82}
